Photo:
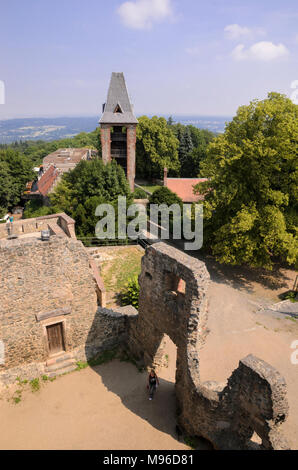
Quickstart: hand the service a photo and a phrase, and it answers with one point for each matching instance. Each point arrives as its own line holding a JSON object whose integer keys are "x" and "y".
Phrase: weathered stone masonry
{"x": 45, "y": 283}
{"x": 173, "y": 301}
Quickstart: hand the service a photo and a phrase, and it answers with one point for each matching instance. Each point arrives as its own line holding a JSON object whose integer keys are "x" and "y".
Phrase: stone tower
{"x": 118, "y": 128}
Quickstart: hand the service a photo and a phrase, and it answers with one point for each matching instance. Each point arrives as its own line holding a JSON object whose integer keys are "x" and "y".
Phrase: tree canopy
{"x": 164, "y": 195}
{"x": 15, "y": 172}
{"x": 157, "y": 148}
{"x": 192, "y": 149}
{"x": 89, "y": 184}
{"x": 251, "y": 204}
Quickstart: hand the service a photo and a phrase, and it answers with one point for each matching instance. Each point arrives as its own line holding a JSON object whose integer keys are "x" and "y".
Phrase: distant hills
{"x": 48, "y": 129}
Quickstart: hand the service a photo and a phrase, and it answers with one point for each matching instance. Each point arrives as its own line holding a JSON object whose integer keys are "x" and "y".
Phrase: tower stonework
{"x": 118, "y": 128}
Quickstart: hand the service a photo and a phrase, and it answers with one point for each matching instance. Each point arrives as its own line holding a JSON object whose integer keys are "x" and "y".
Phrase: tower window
{"x": 118, "y": 109}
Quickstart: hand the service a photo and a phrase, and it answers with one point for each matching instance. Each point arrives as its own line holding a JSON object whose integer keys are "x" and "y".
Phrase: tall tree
{"x": 251, "y": 205}
{"x": 157, "y": 148}
{"x": 185, "y": 148}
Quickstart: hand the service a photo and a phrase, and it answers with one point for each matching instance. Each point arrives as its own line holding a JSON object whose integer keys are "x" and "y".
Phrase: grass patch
{"x": 151, "y": 187}
{"x": 81, "y": 365}
{"x": 98, "y": 360}
{"x": 292, "y": 319}
{"x": 103, "y": 358}
{"x": 117, "y": 271}
{"x": 289, "y": 295}
{"x": 190, "y": 442}
{"x": 35, "y": 385}
{"x": 108, "y": 356}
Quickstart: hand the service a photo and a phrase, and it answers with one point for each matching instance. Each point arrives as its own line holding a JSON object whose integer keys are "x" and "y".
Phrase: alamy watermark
{"x": 2, "y": 92}
{"x": 164, "y": 222}
{"x": 294, "y": 95}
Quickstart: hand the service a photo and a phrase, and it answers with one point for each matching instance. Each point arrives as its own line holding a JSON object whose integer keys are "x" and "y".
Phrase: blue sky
{"x": 178, "y": 56}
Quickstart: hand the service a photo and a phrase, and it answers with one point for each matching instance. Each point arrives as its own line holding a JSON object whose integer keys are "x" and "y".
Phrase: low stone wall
{"x": 26, "y": 226}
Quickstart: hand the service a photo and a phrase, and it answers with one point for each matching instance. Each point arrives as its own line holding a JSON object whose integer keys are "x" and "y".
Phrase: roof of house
{"x": 118, "y": 108}
{"x": 183, "y": 187}
{"x": 47, "y": 180}
{"x": 66, "y": 159}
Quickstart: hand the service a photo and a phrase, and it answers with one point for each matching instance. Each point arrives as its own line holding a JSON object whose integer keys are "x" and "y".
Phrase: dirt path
{"x": 236, "y": 330}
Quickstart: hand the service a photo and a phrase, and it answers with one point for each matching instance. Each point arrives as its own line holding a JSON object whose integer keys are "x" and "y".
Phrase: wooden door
{"x": 55, "y": 338}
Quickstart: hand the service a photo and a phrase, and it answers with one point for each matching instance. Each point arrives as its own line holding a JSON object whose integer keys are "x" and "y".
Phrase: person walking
{"x": 11, "y": 223}
{"x": 8, "y": 226}
{"x": 153, "y": 382}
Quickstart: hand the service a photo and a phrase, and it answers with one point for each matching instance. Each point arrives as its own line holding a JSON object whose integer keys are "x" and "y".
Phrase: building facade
{"x": 118, "y": 128}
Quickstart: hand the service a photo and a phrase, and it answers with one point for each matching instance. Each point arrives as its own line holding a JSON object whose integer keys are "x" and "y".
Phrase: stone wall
{"x": 108, "y": 330}
{"x": 173, "y": 301}
{"x": 43, "y": 283}
{"x": 33, "y": 225}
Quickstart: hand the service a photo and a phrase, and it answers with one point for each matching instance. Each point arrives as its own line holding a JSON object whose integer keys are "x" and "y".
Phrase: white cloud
{"x": 234, "y": 31}
{"x": 263, "y": 51}
{"x": 196, "y": 50}
{"x": 141, "y": 14}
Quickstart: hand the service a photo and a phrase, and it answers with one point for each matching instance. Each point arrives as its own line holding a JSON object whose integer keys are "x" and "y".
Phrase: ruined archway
{"x": 173, "y": 301}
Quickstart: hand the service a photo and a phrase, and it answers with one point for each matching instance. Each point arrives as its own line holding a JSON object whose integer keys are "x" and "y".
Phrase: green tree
{"x": 170, "y": 121}
{"x": 15, "y": 172}
{"x": 185, "y": 148}
{"x": 89, "y": 184}
{"x": 35, "y": 208}
{"x": 157, "y": 148}
{"x": 164, "y": 195}
{"x": 193, "y": 144}
{"x": 251, "y": 204}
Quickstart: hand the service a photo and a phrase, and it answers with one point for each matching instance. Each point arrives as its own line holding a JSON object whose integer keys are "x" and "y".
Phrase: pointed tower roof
{"x": 118, "y": 109}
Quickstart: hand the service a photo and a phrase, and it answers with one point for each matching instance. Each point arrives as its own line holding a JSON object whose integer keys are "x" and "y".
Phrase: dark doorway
{"x": 55, "y": 338}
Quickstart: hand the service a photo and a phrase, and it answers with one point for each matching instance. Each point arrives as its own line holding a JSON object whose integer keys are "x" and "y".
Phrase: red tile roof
{"x": 47, "y": 180}
{"x": 183, "y": 187}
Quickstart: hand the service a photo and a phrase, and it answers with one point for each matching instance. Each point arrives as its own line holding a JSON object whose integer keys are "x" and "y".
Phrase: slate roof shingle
{"x": 118, "y": 96}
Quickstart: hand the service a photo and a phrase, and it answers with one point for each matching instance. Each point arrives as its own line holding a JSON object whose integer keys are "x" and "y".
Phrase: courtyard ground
{"x": 105, "y": 407}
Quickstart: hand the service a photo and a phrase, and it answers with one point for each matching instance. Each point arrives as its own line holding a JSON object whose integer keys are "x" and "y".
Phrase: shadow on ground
{"x": 243, "y": 277}
{"x": 130, "y": 386}
{"x": 131, "y": 389}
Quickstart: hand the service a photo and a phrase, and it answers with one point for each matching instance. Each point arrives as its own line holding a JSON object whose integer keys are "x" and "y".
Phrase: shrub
{"x": 140, "y": 194}
{"x": 164, "y": 195}
{"x": 130, "y": 293}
